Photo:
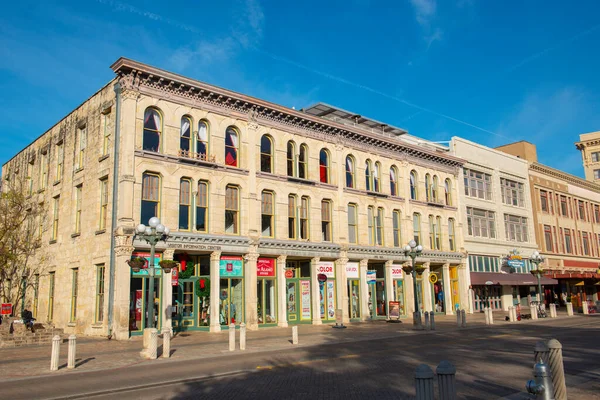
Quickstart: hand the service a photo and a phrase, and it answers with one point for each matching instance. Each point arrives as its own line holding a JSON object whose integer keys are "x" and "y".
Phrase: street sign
{"x": 322, "y": 277}
{"x": 6, "y": 308}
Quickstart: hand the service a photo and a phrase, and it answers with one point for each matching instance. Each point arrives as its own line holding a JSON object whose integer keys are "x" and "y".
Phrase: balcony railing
{"x": 196, "y": 156}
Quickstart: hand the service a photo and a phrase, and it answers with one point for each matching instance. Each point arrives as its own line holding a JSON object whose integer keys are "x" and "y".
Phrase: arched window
{"x": 150, "y": 197}
{"x": 202, "y": 140}
{"x": 266, "y": 154}
{"x": 349, "y": 171}
{"x": 428, "y": 187}
{"x": 368, "y": 175}
{"x": 394, "y": 181}
{"x": 413, "y": 185}
{"x": 377, "y": 177}
{"x": 291, "y": 158}
{"x": 185, "y": 201}
{"x": 434, "y": 189}
{"x": 231, "y": 146}
{"x": 451, "y": 237}
{"x": 303, "y": 162}
{"x": 448, "y": 192}
{"x": 324, "y": 166}
{"x": 152, "y": 129}
{"x": 185, "y": 135}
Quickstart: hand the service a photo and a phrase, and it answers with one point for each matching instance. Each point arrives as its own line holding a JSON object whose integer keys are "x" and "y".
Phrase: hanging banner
{"x": 326, "y": 268}
{"x": 231, "y": 266}
{"x": 371, "y": 277}
{"x": 352, "y": 270}
{"x": 305, "y": 295}
{"x": 397, "y": 272}
{"x": 265, "y": 267}
{"x": 138, "y": 310}
{"x": 174, "y": 277}
{"x": 144, "y": 270}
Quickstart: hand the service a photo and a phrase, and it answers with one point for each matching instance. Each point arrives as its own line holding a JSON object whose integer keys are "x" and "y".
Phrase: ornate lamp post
{"x": 152, "y": 234}
{"x": 413, "y": 250}
{"x": 537, "y": 259}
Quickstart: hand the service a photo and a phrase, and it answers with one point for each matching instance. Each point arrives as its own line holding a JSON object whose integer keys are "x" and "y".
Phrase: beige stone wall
{"x": 589, "y": 143}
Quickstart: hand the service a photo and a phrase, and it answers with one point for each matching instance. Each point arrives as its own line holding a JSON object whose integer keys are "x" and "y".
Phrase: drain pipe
{"x": 111, "y": 284}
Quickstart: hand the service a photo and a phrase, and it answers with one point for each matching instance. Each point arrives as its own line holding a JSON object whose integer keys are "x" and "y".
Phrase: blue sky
{"x": 489, "y": 71}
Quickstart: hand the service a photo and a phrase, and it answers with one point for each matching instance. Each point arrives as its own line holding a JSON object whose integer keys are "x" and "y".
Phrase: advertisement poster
{"x": 174, "y": 277}
{"x": 144, "y": 270}
{"x": 397, "y": 271}
{"x": 265, "y": 267}
{"x": 394, "y": 309}
{"x": 326, "y": 268}
{"x": 322, "y": 300}
{"x": 305, "y": 294}
{"x": 291, "y": 298}
{"x": 352, "y": 270}
{"x": 330, "y": 300}
{"x": 6, "y": 308}
{"x": 231, "y": 266}
{"x": 138, "y": 309}
{"x": 371, "y": 277}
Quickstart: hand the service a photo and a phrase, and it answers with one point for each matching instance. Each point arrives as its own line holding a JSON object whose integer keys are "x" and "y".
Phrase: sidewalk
{"x": 98, "y": 354}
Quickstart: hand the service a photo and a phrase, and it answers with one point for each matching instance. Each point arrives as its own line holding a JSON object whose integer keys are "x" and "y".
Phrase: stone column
{"x": 447, "y": 289}
{"x": 342, "y": 288}
{"x": 409, "y": 292}
{"x": 281, "y": 293}
{"x": 464, "y": 281}
{"x": 214, "y": 309}
{"x": 167, "y": 294}
{"x": 389, "y": 285}
{"x": 127, "y": 178}
{"x": 315, "y": 294}
{"x": 121, "y": 289}
{"x": 364, "y": 290}
{"x": 251, "y": 282}
{"x": 426, "y": 288}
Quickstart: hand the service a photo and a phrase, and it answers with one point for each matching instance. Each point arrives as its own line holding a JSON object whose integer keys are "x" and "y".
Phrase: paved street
{"x": 372, "y": 360}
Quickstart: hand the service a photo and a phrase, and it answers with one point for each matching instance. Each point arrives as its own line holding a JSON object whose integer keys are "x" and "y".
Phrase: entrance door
{"x": 378, "y": 303}
{"x": 437, "y": 297}
{"x": 354, "y": 303}
{"x": 187, "y": 304}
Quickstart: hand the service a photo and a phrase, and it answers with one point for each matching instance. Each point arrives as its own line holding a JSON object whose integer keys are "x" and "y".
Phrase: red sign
{"x": 6, "y": 308}
{"x": 265, "y": 267}
{"x": 289, "y": 273}
{"x": 174, "y": 277}
{"x": 322, "y": 277}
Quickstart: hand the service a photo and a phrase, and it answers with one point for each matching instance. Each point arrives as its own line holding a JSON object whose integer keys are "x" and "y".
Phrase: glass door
{"x": 399, "y": 294}
{"x": 377, "y": 304}
{"x": 231, "y": 301}
{"x": 354, "y": 301}
{"x": 187, "y": 304}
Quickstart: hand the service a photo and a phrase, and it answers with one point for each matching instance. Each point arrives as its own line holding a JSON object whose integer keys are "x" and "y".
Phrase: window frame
{"x": 414, "y": 185}
{"x": 186, "y": 139}
{"x": 451, "y": 234}
{"x": 154, "y": 176}
{"x": 78, "y": 207}
{"x": 148, "y": 131}
{"x": 234, "y": 213}
{"x": 291, "y": 158}
{"x": 352, "y": 227}
{"x": 393, "y": 181}
{"x": 267, "y": 211}
{"x": 448, "y": 191}
{"x": 303, "y": 161}
{"x": 202, "y": 203}
{"x": 74, "y": 294}
{"x": 476, "y": 222}
{"x": 234, "y": 148}
{"x": 477, "y": 184}
{"x": 103, "y": 203}
{"x": 266, "y": 157}
{"x": 368, "y": 175}
{"x": 100, "y": 292}
{"x": 185, "y": 202}
{"x": 326, "y": 220}
{"x": 293, "y": 217}
{"x": 417, "y": 229}
{"x": 397, "y": 227}
{"x": 304, "y": 218}
{"x": 55, "y": 216}
{"x": 324, "y": 166}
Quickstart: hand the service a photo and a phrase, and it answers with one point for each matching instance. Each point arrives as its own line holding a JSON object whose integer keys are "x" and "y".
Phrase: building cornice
{"x": 544, "y": 169}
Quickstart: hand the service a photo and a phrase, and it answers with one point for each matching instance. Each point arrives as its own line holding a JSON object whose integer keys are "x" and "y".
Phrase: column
{"x": 389, "y": 285}
{"x": 342, "y": 288}
{"x": 167, "y": 294}
{"x": 314, "y": 290}
{"x": 281, "y": 293}
{"x": 364, "y": 290}
{"x": 121, "y": 289}
{"x": 447, "y": 289}
{"x": 251, "y": 282}
{"x": 409, "y": 292}
{"x": 464, "y": 282}
{"x": 215, "y": 258}
{"x": 126, "y": 207}
{"x": 426, "y": 289}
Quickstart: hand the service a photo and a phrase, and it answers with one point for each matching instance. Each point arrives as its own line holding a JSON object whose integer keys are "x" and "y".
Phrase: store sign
{"x": 6, "y": 308}
{"x": 352, "y": 270}
{"x": 174, "y": 277}
{"x": 305, "y": 294}
{"x": 397, "y": 272}
{"x": 514, "y": 259}
{"x": 371, "y": 277}
{"x": 289, "y": 273}
{"x": 265, "y": 267}
{"x": 231, "y": 266}
{"x": 326, "y": 268}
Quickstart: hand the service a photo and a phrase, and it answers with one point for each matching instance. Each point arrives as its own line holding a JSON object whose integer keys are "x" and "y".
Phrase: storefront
{"x": 298, "y": 278}
{"x": 231, "y": 290}
{"x": 138, "y": 295}
{"x": 376, "y": 285}
{"x": 266, "y": 292}
{"x": 436, "y": 280}
{"x": 327, "y": 293}
{"x": 353, "y": 281}
{"x": 397, "y": 276}
{"x": 191, "y": 293}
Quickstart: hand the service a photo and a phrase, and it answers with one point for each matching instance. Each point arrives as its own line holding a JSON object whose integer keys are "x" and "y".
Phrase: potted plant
{"x": 136, "y": 263}
{"x": 167, "y": 265}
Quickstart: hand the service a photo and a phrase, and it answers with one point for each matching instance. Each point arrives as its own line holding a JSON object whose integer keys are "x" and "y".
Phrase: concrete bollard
{"x": 555, "y": 361}
{"x": 55, "y": 353}
{"x": 570, "y": 309}
{"x": 231, "y": 337}
{"x": 417, "y": 323}
{"x": 534, "y": 312}
{"x": 585, "y": 308}
{"x": 458, "y": 320}
{"x": 242, "y": 336}
{"x": 446, "y": 374}
{"x": 510, "y": 314}
{"x": 552, "y": 310}
{"x": 540, "y": 352}
{"x": 424, "y": 382}
{"x": 463, "y": 318}
{"x": 432, "y": 321}
{"x": 71, "y": 352}
{"x": 491, "y": 316}
{"x": 515, "y": 314}
{"x": 295, "y": 334}
{"x": 153, "y": 344}
{"x": 166, "y": 343}
{"x": 427, "y": 320}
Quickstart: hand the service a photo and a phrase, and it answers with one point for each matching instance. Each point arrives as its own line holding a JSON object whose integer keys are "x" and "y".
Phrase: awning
{"x": 481, "y": 278}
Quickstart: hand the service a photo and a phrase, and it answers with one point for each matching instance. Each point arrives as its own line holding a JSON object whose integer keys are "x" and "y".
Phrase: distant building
{"x": 589, "y": 146}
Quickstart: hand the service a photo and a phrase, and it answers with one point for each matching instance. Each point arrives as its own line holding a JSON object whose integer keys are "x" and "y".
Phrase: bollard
{"x": 446, "y": 374}
{"x": 540, "y": 352}
{"x": 458, "y": 321}
{"x": 153, "y": 344}
{"x": 432, "y": 321}
{"x": 570, "y": 309}
{"x": 417, "y": 323}
{"x": 585, "y": 308}
{"x": 427, "y": 320}
{"x": 515, "y": 314}
{"x": 166, "y": 343}
{"x": 510, "y": 314}
{"x": 55, "y": 353}
{"x": 424, "y": 382}
{"x": 242, "y": 336}
{"x": 463, "y": 317}
{"x": 295, "y": 334}
{"x": 555, "y": 361}
{"x": 552, "y": 310}
{"x": 71, "y": 352}
{"x": 534, "y": 312}
{"x": 541, "y": 384}
{"x": 231, "y": 337}
{"x": 491, "y": 316}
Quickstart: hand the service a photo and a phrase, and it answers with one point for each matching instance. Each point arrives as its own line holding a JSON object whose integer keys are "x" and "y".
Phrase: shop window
{"x": 352, "y": 223}
{"x": 202, "y": 207}
{"x": 266, "y": 154}
{"x": 292, "y": 217}
{"x": 266, "y": 291}
{"x": 396, "y": 218}
{"x": 394, "y": 181}
{"x": 324, "y": 166}
{"x": 231, "y": 290}
{"x": 350, "y": 171}
{"x": 185, "y": 200}
{"x": 152, "y": 130}
{"x": 413, "y": 185}
{"x": 232, "y": 204}
{"x": 267, "y": 213}
{"x": 231, "y": 146}
{"x": 291, "y": 158}
{"x": 185, "y": 135}
{"x": 150, "y": 197}
{"x": 326, "y": 220}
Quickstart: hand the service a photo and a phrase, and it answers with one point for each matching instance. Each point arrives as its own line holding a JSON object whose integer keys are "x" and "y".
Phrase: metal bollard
{"x": 555, "y": 361}
{"x": 463, "y": 317}
{"x": 417, "y": 323}
{"x": 458, "y": 321}
{"x": 424, "y": 382}
{"x": 540, "y": 352}
{"x": 427, "y": 320}
{"x": 55, "y": 353}
{"x": 432, "y": 321}
{"x": 584, "y": 308}
{"x": 242, "y": 336}
{"x": 541, "y": 384}
{"x": 166, "y": 343}
{"x": 231, "y": 337}
{"x": 153, "y": 344}
{"x": 570, "y": 309}
{"x": 71, "y": 352}
{"x": 295, "y": 334}
{"x": 446, "y": 374}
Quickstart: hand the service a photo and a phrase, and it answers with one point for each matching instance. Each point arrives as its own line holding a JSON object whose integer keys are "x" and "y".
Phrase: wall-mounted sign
{"x": 174, "y": 277}
{"x": 6, "y": 308}
{"x": 352, "y": 270}
{"x": 326, "y": 268}
{"x": 231, "y": 266}
{"x": 514, "y": 259}
{"x": 433, "y": 278}
{"x": 265, "y": 267}
{"x": 371, "y": 277}
{"x": 289, "y": 273}
{"x": 397, "y": 272}
{"x": 322, "y": 277}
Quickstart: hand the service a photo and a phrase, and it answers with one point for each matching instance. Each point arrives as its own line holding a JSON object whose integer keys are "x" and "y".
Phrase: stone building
{"x": 277, "y": 216}
{"x": 566, "y": 215}
{"x": 589, "y": 146}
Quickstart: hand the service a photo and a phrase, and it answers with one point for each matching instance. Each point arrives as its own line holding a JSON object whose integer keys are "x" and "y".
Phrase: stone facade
{"x": 589, "y": 146}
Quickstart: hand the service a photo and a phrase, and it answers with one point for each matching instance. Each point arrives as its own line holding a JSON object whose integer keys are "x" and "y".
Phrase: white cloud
{"x": 424, "y": 10}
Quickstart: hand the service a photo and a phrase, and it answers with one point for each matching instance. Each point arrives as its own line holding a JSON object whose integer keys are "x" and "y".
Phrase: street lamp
{"x": 413, "y": 250}
{"x": 152, "y": 234}
{"x": 537, "y": 259}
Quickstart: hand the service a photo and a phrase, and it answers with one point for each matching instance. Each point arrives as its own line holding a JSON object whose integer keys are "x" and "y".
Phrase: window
{"x": 434, "y": 232}
{"x": 368, "y": 175}
{"x": 586, "y": 243}
{"x": 596, "y": 213}
{"x": 291, "y": 158}
{"x": 105, "y": 127}
{"x": 202, "y": 140}
{"x": 267, "y": 213}
{"x": 350, "y": 172}
{"x": 60, "y": 160}
{"x": 394, "y": 181}
{"x": 417, "y": 228}
{"x": 326, "y": 220}
{"x": 377, "y": 177}
{"x": 150, "y": 197}
{"x": 304, "y": 218}
{"x": 29, "y": 179}
{"x": 581, "y": 208}
{"x": 185, "y": 203}
{"x": 43, "y": 171}
{"x": 597, "y": 174}
{"x": 477, "y": 184}
{"x": 568, "y": 241}
{"x": 515, "y": 228}
{"x": 595, "y": 156}
{"x": 563, "y": 206}
{"x": 548, "y": 238}
{"x": 232, "y": 204}
{"x": 512, "y": 192}
{"x": 413, "y": 185}
{"x": 481, "y": 223}
{"x": 438, "y": 233}
{"x": 78, "y": 193}
{"x": 396, "y": 227}
{"x": 292, "y": 221}
{"x": 231, "y": 146}
{"x": 428, "y": 187}
{"x": 451, "y": 235}
{"x": 303, "y": 162}
{"x": 434, "y": 189}
{"x": 202, "y": 207}
{"x": 99, "y": 293}
{"x": 103, "y": 203}
{"x": 74, "y": 290}
{"x": 266, "y": 154}
{"x": 324, "y": 166}
{"x": 352, "y": 223}
{"x": 55, "y": 219}
{"x": 379, "y": 227}
{"x": 371, "y": 224}
{"x": 82, "y": 136}
{"x": 51, "y": 277}
{"x": 152, "y": 130}
{"x": 448, "y": 192}
{"x": 544, "y": 201}
{"x": 185, "y": 135}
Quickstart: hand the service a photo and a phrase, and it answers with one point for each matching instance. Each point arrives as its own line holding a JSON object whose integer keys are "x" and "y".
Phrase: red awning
{"x": 480, "y": 278}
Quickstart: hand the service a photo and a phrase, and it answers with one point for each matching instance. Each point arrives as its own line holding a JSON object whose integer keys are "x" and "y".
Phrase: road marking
{"x": 270, "y": 367}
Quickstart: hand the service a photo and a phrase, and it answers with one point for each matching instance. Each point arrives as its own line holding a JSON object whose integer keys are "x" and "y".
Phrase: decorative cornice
{"x": 544, "y": 169}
